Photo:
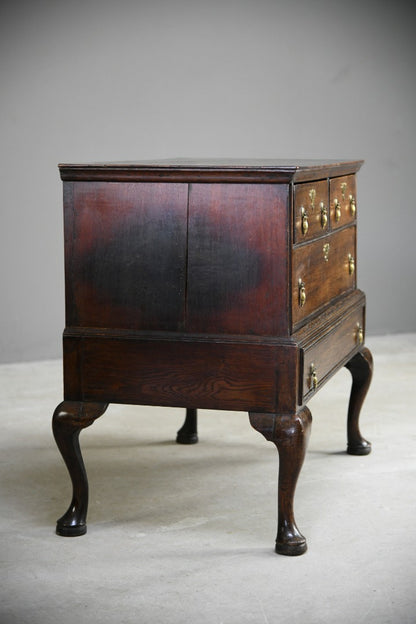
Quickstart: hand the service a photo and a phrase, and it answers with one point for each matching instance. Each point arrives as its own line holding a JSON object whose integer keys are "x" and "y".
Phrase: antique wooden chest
{"x": 224, "y": 284}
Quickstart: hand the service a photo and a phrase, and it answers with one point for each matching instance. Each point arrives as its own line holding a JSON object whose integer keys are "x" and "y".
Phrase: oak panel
{"x": 126, "y": 255}
{"x": 238, "y": 263}
{"x": 181, "y": 374}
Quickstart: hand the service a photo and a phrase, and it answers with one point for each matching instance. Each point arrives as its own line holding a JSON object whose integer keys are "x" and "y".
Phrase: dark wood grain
{"x": 238, "y": 259}
{"x": 126, "y": 255}
{"x": 185, "y": 373}
{"x": 324, "y": 279}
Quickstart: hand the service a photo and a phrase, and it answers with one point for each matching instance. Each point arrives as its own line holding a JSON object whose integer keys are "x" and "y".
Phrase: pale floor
{"x": 182, "y": 534}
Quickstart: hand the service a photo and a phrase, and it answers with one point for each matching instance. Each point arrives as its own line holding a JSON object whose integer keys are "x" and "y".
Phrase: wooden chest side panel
{"x": 238, "y": 259}
{"x": 126, "y": 249}
{"x": 182, "y": 373}
{"x": 197, "y": 375}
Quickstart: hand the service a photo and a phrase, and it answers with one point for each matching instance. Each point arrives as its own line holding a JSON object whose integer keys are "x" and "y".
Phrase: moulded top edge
{"x": 210, "y": 170}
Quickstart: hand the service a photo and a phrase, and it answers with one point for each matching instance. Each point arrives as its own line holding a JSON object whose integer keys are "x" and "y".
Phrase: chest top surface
{"x": 265, "y": 170}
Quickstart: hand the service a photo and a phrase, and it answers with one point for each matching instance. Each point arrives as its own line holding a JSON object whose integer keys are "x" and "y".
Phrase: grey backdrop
{"x": 94, "y": 80}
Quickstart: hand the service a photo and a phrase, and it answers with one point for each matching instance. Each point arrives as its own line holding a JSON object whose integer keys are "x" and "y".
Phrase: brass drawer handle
{"x": 353, "y": 207}
{"x": 351, "y": 264}
{"x": 305, "y": 222}
{"x": 360, "y": 334}
{"x": 302, "y": 293}
{"x": 337, "y": 210}
{"x": 324, "y": 216}
{"x": 313, "y": 384}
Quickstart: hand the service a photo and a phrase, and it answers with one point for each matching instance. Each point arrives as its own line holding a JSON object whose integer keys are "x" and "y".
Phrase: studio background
{"x": 98, "y": 80}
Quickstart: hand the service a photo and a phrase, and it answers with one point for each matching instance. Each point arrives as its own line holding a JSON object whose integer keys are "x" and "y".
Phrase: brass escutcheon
{"x": 343, "y": 189}
{"x": 325, "y": 250}
{"x": 312, "y": 195}
{"x": 313, "y": 377}
{"x": 302, "y": 293}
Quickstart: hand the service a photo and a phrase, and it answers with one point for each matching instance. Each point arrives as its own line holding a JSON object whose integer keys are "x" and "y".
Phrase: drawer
{"x": 311, "y": 216}
{"x": 322, "y": 270}
{"x": 331, "y": 351}
{"x": 342, "y": 200}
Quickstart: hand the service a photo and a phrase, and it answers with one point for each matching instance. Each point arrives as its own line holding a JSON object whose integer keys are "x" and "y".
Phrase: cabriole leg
{"x": 361, "y": 369}
{"x": 290, "y": 434}
{"x": 188, "y": 433}
{"x": 68, "y": 420}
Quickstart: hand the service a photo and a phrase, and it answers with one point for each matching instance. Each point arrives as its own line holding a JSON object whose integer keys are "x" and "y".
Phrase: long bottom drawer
{"x": 331, "y": 350}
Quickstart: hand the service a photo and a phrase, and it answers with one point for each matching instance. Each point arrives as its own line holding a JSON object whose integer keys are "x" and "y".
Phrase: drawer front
{"x": 311, "y": 211}
{"x": 325, "y": 356}
{"x": 342, "y": 200}
{"x": 322, "y": 270}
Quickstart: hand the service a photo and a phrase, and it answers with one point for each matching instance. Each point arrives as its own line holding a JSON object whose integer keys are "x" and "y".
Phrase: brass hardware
{"x": 351, "y": 264}
{"x": 326, "y": 251}
{"x": 305, "y": 222}
{"x": 324, "y": 215}
{"x": 337, "y": 210}
{"x": 343, "y": 189}
{"x": 313, "y": 377}
{"x": 312, "y": 195}
{"x": 360, "y": 334}
{"x": 302, "y": 293}
{"x": 353, "y": 207}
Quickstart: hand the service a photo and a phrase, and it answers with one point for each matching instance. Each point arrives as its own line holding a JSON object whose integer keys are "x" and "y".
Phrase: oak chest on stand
{"x": 224, "y": 284}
